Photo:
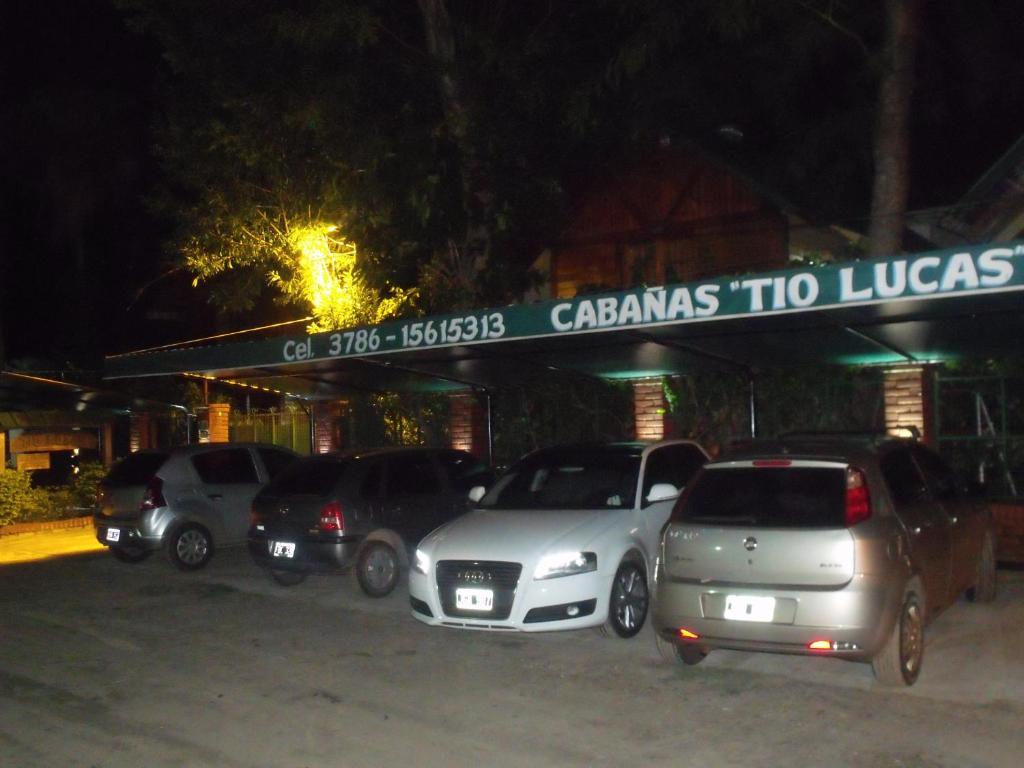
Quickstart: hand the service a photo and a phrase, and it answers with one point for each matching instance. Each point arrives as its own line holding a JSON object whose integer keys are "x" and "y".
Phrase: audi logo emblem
{"x": 750, "y": 543}
{"x": 474, "y": 576}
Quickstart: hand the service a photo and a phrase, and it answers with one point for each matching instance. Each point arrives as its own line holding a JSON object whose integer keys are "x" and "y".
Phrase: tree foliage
{"x": 439, "y": 136}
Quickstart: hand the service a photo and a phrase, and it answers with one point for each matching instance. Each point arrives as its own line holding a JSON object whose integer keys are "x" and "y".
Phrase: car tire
{"x": 378, "y": 569}
{"x": 190, "y": 547}
{"x": 288, "y": 578}
{"x": 678, "y": 653}
{"x": 984, "y": 588}
{"x": 628, "y": 602}
{"x": 130, "y": 554}
{"x": 899, "y": 661}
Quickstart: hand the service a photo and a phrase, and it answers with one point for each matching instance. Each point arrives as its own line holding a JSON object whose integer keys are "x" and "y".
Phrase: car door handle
{"x": 215, "y": 496}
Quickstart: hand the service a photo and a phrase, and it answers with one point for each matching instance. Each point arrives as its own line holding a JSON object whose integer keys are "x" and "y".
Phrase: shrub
{"x": 18, "y": 499}
{"x": 86, "y": 484}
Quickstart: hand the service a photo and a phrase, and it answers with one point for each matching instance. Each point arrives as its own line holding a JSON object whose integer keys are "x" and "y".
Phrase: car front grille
{"x": 500, "y": 577}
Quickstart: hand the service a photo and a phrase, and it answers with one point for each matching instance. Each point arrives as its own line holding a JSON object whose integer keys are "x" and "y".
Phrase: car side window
{"x": 901, "y": 474}
{"x": 411, "y": 473}
{"x": 463, "y": 470}
{"x": 940, "y": 477}
{"x": 673, "y": 464}
{"x": 228, "y": 466}
{"x": 372, "y": 484}
{"x": 275, "y": 460}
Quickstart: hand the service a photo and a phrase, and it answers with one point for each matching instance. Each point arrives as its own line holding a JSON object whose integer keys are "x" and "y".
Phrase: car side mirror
{"x": 476, "y": 493}
{"x": 662, "y": 492}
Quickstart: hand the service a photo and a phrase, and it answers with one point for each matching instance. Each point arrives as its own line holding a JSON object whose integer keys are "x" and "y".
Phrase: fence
{"x": 290, "y": 429}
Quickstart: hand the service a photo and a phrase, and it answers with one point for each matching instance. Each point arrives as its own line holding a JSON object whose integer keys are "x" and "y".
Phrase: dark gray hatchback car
{"x": 365, "y": 509}
{"x": 821, "y": 545}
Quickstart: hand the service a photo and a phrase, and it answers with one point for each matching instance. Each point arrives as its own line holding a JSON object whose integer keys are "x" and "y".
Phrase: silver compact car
{"x": 839, "y": 546}
{"x": 185, "y": 501}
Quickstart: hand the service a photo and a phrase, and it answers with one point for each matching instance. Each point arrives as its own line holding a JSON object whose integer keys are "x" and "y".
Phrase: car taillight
{"x": 332, "y": 518}
{"x": 153, "y": 496}
{"x": 858, "y": 500}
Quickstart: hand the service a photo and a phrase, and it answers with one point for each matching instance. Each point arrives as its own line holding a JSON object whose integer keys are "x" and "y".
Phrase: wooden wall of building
{"x": 671, "y": 217}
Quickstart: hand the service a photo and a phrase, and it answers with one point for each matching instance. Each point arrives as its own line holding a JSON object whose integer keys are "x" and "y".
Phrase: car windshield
{"x": 568, "y": 479}
{"x": 792, "y": 497}
{"x": 136, "y": 469}
{"x": 314, "y": 476}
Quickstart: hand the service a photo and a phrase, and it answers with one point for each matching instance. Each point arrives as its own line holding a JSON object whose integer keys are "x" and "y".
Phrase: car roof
{"x": 841, "y": 446}
{"x": 364, "y": 453}
{"x": 203, "y": 447}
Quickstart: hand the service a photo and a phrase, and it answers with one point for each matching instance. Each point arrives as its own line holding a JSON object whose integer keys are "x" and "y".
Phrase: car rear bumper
{"x": 134, "y": 533}
{"x": 310, "y": 554}
{"x": 854, "y": 619}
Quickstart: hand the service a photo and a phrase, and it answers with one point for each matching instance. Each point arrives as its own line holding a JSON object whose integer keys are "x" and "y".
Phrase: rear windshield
{"x": 592, "y": 479}
{"x": 314, "y": 477}
{"x": 790, "y": 497}
{"x": 136, "y": 469}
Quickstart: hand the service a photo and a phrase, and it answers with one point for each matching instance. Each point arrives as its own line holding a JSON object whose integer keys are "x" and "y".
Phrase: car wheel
{"x": 130, "y": 554}
{"x": 679, "y": 653}
{"x": 899, "y": 661}
{"x": 627, "y": 606}
{"x": 190, "y": 547}
{"x": 984, "y": 588}
{"x": 377, "y": 569}
{"x": 288, "y": 578}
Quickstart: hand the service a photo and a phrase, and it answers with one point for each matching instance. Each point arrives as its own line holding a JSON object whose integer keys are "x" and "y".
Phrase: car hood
{"x": 518, "y": 535}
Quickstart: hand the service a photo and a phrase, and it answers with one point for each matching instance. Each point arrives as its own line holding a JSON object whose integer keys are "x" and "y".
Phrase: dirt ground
{"x": 104, "y": 664}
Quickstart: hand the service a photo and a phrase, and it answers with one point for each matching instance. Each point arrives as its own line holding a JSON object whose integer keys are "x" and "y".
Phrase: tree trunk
{"x": 892, "y": 128}
{"x": 477, "y": 197}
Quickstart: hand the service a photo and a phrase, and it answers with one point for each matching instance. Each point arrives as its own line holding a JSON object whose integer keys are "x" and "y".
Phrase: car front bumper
{"x": 568, "y": 602}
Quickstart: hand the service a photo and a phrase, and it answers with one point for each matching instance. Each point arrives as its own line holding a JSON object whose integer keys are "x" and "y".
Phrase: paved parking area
{"x": 104, "y": 664}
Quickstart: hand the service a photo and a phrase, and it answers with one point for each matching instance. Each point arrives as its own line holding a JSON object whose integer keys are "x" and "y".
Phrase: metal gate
{"x": 290, "y": 429}
{"x": 980, "y": 430}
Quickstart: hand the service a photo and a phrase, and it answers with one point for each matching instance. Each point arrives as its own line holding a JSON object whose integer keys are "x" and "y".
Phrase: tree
{"x": 892, "y": 131}
{"x": 329, "y": 113}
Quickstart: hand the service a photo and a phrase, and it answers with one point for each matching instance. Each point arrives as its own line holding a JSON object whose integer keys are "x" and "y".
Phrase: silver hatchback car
{"x": 839, "y": 546}
{"x": 186, "y": 501}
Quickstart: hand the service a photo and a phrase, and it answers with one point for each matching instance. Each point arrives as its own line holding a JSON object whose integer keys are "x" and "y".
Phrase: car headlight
{"x": 565, "y": 564}
{"x": 422, "y": 563}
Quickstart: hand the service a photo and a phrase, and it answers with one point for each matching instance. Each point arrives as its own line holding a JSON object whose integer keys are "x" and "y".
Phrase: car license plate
{"x": 473, "y": 599}
{"x": 284, "y": 549}
{"x": 749, "y": 608}
{"x": 113, "y": 534}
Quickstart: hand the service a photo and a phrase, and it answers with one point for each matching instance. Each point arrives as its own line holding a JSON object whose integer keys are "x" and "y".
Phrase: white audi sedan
{"x": 565, "y": 539}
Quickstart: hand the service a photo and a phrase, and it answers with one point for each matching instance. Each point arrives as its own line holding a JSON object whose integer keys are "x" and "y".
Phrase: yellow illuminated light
{"x": 325, "y": 275}
{"x": 235, "y": 383}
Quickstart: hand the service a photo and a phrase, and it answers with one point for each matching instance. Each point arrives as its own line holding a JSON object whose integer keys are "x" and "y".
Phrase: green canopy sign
{"x": 928, "y": 276}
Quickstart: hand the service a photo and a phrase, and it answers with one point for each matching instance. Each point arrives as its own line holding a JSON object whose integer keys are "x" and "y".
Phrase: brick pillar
{"x": 140, "y": 434}
{"x": 3, "y": 450}
{"x": 328, "y": 426}
{"x": 220, "y": 418}
{"x": 908, "y": 401}
{"x": 649, "y": 409}
{"x": 107, "y": 438}
{"x": 467, "y": 424}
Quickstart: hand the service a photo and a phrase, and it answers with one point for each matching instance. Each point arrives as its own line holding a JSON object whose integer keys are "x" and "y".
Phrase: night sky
{"x": 79, "y": 249}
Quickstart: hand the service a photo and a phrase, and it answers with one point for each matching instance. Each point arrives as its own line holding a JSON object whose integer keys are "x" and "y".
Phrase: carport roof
{"x": 910, "y": 309}
{"x": 28, "y": 400}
